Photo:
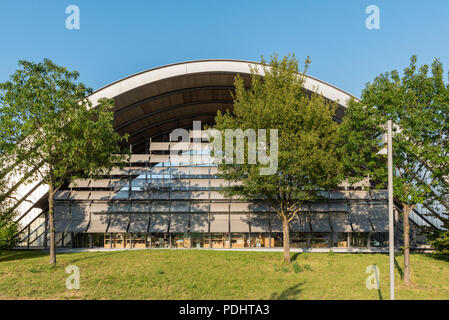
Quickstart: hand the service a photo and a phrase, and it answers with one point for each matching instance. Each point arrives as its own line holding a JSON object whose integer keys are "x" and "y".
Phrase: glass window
{"x": 98, "y": 240}
{"x": 159, "y": 240}
{"x": 259, "y": 240}
{"x": 379, "y": 239}
{"x": 278, "y": 239}
{"x": 199, "y": 240}
{"x": 181, "y": 240}
{"x": 359, "y": 239}
{"x": 319, "y": 240}
{"x": 138, "y": 240}
{"x": 220, "y": 240}
{"x": 80, "y": 240}
{"x": 340, "y": 240}
{"x": 240, "y": 240}
{"x": 298, "y": 240}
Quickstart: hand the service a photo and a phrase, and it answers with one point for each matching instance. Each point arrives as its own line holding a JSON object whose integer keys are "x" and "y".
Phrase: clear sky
{"x": 119, "y": 38}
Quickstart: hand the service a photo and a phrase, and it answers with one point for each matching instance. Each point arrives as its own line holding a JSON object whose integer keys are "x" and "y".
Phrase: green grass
{"x": 201, "y": 274}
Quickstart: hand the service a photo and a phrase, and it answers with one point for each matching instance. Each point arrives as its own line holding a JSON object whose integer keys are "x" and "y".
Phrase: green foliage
{"x": 307, "y": 159}
{"x": 418, "y": 105}
{"x": 439, "y": 239}
{"x": 40, "y": 268}
{"x": 297, "y": 268}
{"x": 285, "y": 269}
{"x": 441, "y": 243}
{"x": 49, "y": 126}
{"x": 48, "y": 123}
{"x": 8, "y": 231}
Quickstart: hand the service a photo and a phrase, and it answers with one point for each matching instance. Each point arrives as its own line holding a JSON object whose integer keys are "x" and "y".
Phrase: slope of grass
{"x": 192, "y": 274}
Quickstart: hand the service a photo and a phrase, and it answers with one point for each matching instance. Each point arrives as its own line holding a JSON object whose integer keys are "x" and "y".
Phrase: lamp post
{"x": 390, "y": 207}
{"x": 389, "y": 153}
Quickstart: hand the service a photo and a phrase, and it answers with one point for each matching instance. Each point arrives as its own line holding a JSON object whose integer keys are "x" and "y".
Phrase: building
{"x": 157, "y": 203}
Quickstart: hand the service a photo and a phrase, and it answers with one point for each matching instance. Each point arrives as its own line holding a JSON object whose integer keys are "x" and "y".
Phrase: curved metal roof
{"x": 152, "y": 103}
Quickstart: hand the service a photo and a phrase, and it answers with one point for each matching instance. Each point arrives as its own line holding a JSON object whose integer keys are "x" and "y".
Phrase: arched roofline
{"x": 207, "y": 66}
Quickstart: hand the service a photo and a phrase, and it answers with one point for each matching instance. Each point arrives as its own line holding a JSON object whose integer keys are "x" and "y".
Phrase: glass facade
{"x": 160, "y": 203}
{"x": 359, "y": 239}
{"x": 339, "y": 240}
{"x": 223, "y": 240}
{"x": 299, "y": 240}
{"x": 379, "y": 239}
{"x": 319, "y": 240}
{"x": 159, "y": 240}
{"x": 259, "y": 240}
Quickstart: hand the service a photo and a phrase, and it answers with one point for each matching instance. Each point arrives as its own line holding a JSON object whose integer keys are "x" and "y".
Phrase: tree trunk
{"x": 286, "y": 231}
{"x": 52, "y": 224}
{"x": 406, "y": 227}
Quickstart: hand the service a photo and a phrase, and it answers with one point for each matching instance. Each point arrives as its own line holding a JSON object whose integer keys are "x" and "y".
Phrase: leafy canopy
{"x": 418, "y": 104}
{"x": 48, "y": 123}
{"x": 307, "y": 159}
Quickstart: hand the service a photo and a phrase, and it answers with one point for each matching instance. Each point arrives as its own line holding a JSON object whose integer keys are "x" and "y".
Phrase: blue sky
{"x": 119, "y": 38}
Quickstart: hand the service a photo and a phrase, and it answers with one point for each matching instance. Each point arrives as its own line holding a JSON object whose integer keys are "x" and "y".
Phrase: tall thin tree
{"x": 417, "y": 103}
{"x": 307, "y": 159}
{"x": 48, "y": 124}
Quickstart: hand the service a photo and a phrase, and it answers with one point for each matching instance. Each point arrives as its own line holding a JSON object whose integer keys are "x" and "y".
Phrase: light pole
{"x": 389, "y": 152}
{"x": 390, "y": 206}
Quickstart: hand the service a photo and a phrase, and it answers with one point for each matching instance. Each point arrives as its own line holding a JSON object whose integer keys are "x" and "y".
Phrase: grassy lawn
{"x": 192, "y": 274}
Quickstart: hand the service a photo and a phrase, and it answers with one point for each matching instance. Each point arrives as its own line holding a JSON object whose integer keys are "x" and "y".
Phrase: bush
{"x": 439, "y": 238}
{"x": 440, "y": 243}
{"x": 8, "y": 229}
{"x": 8, "y": 234}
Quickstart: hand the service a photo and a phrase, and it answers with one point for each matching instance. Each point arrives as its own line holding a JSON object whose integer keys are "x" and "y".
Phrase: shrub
{"x": 441, "y": 243}
{"x": 8, "y": 234}
{"x": 439, "y": 238}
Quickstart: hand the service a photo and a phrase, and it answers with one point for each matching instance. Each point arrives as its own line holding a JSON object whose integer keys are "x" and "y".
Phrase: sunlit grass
{"x": 202, "y": 274}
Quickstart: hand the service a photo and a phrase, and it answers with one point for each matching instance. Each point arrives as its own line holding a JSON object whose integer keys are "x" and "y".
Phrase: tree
{"x": 307, "y": 159}
{"x": 417, "y": 103}
{"x": 49, "y": 125}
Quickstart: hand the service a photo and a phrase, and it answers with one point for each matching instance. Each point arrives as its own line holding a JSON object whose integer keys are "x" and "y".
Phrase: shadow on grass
{"x": 398, "y": 267}
{"x": 12, "y": 255}
{"x": 380, "y": 294}
{"x": 289, "y": 293}
{"x": 295, "y": 256}
{"x": 438, "y": 256}
{"x": 101, "y": 255}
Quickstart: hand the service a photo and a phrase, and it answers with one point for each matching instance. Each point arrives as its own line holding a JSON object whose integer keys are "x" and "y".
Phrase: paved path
{"x": 336, "y": 250}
